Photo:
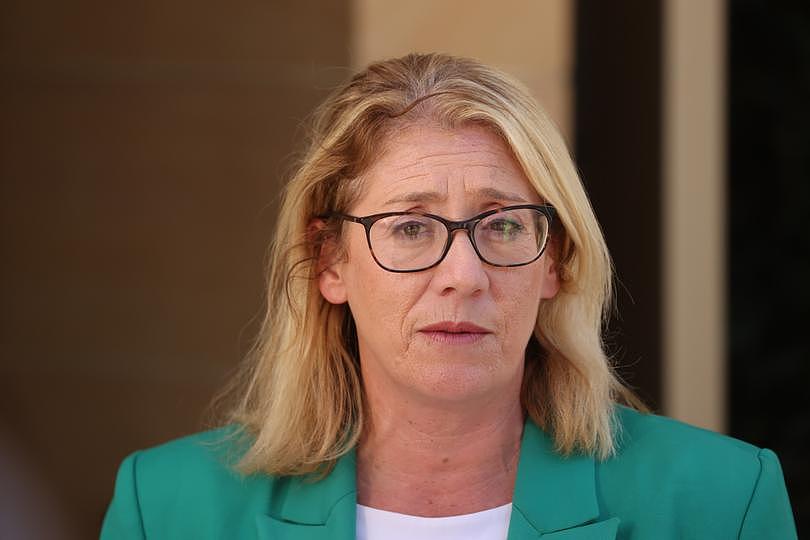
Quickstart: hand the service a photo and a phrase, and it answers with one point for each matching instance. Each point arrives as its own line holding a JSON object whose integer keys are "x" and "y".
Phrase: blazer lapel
{"x": 311, "y": 508}
{"x": 555, "y": 497}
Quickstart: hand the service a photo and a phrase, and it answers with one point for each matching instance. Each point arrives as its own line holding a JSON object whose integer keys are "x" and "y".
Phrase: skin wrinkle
{"x": 435, "y": 196}
{"x": 497, "y": 175}
{"x": 423, "y": 160}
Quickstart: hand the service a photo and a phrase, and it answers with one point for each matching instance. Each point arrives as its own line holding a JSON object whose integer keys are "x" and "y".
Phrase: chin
{"x": 450, "y": 382}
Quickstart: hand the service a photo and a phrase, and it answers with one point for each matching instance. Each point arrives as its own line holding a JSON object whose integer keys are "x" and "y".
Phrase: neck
{"x": 439, "y": 460}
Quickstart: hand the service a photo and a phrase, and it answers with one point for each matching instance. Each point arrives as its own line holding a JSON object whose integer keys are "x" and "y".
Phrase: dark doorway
{"x": 769, "y": 234}
{"x": 618, "y": 141}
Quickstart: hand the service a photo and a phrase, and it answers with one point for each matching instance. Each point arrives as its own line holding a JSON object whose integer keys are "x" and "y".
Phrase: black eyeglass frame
{"x": 468, "y": 225}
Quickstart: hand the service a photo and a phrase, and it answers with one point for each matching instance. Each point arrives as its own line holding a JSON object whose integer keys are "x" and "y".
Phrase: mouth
{"x": 454, "y": 332}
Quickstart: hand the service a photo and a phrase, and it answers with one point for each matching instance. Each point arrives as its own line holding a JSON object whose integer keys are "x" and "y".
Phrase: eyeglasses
{"x": 413, "y": 241}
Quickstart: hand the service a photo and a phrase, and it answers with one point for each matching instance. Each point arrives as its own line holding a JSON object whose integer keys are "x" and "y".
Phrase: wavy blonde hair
{"x": 299, "y": 395}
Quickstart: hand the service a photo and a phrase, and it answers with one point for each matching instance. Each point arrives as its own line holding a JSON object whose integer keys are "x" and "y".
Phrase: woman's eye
{"x": 411, "y": 229}
{"x": 505, "y": 228}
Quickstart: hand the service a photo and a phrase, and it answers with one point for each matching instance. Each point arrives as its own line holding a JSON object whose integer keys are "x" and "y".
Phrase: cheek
{"x": 519, "y": 299}
{"x": 380, "y": 301}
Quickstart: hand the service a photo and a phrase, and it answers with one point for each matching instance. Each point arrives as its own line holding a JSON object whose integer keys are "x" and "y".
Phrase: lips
{"x": 455, "y": 328}
{"x": 454, "y": 332}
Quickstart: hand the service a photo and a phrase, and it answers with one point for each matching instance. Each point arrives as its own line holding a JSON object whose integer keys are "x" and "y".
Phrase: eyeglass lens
{"x": 415, "y": 241}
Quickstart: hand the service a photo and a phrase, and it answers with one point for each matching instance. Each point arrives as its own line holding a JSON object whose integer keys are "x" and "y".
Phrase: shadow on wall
{"x": 29, "y": 508}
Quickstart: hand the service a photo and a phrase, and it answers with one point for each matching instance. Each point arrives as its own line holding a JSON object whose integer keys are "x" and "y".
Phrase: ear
{"x": 329, "y": 268}
{"x": 551, "y": 276}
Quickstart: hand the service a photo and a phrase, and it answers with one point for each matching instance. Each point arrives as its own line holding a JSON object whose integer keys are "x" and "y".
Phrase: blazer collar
{"x": 555, "y": 497}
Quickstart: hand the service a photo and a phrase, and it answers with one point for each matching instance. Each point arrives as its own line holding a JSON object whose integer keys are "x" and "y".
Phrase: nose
{"x": 461, "y": 270}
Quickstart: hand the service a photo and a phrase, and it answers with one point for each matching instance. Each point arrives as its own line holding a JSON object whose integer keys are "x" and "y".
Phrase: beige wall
{"x": 142, "y": 150}
{"x": 532, "y": 41}
{"x": 694, "y": 213}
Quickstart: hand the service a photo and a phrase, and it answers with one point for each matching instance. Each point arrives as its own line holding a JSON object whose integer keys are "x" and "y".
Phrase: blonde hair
{"x": 300, "y": 395}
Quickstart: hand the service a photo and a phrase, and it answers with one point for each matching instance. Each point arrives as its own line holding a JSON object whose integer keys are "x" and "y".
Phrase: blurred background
{"x": 143, "y": 146}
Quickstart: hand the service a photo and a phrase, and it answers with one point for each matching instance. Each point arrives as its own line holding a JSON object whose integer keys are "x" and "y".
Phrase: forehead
{"x": 429, "y": 164}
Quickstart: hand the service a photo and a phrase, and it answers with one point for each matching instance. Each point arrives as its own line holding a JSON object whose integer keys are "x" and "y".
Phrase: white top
{"x": 491, "y": 524}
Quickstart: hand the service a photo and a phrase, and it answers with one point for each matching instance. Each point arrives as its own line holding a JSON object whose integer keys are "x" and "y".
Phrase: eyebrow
{"x": 435, "y": 196}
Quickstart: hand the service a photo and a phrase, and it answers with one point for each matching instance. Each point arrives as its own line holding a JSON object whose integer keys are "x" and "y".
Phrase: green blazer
{"x": 668, "y": 480}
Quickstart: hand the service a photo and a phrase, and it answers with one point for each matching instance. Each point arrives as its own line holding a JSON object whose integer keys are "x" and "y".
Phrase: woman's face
{"x": 459, "y": 330}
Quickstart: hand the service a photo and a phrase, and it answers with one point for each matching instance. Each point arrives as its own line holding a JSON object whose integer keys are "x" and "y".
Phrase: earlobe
{"x": 551, "y": 283}
{"x": 551, "y": 279}
{"x": 330, "y": 283}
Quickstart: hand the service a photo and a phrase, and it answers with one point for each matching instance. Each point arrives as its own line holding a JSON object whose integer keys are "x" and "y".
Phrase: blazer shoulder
{"x": 689, "y": 463}
{"x": 693, "y": 471}
{"x": 183, "y": 484}
{"x": 669, "y": 444}
{"x": 205, "y": 454}
{"x": 636, "y": 428}
{"x": 200, "y": 468}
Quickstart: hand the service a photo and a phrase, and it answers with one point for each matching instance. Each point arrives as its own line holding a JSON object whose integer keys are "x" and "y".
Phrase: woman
{"x": 431, "y": 363}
